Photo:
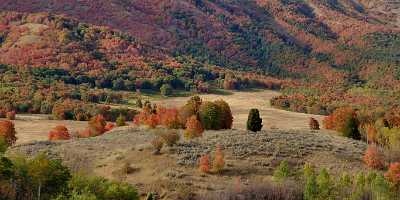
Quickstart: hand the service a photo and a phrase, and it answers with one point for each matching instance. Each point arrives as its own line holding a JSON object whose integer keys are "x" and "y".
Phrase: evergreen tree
{"x": 254, "y": 122}
{"x": 350, "y": 129}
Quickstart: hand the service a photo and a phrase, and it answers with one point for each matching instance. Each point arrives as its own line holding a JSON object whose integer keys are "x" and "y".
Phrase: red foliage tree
{"x": 373, "y": 158}
{"x": 393, "y": 173}
{"x": 60, "y": 132}
{"x": 7, "y": 132}
{"x": 11, "y": 115}
{"x": 169, "y": 117}
{"x": 109, "y": 127}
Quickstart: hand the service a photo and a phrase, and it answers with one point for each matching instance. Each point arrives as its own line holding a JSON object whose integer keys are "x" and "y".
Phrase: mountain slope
{"x": 294, "y": 38}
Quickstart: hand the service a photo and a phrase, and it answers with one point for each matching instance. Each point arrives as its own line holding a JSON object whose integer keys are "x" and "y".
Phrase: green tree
{"x": 282, "y": 171}
{"x": 254, "y": 122}
{"x": 121, "y": 121}
{"x": 166, "y": 90}
{"x": 311, "y": 188}
{"x": 324, "y": 185}
{"x": 210, "y": 116}
{"x": 350, "y": 129}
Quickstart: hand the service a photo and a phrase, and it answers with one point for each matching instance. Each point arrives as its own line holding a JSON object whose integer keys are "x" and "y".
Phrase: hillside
{"x": 126, "y": 154}
{"x": 280, "y": 37}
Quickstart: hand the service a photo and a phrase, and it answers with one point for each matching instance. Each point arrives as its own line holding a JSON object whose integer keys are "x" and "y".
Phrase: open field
{"x": 36, "y": 127}
{"x": 241, "y": 102}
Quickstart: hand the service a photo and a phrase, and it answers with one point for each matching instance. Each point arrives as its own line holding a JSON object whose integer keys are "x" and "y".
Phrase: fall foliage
{"x": 219, "y": 160}
{"x": 194, "y": 128}
{"x": 393, "y": 173}
{"x": 314, "y": 124}
{"x": 60, "y": 132}
{"x": 204, "y": 164}
{"x": 373, "y": 158}
{"x": 7, "y": 132}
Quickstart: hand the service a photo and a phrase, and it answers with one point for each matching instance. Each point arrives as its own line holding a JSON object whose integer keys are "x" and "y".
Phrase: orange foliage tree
{"x": 373, "y": 158}
{"x": 97, "y": 125}
{"x": 337, "y": 120}
{"x": 393, "y": 173}
{"x": 204, "y": 164}
{"x": 169, "y": 117}
{"x": 219, "y": 160}
{"x": 7, "y": 132}
{"x": 194, "y": 128}
{"x": 60, "y": 132}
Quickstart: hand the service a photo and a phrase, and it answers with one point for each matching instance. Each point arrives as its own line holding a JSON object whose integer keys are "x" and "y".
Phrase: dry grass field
{"x": 241, "y": 102}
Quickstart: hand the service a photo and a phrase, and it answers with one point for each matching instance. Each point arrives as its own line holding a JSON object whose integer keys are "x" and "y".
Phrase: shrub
{"x": 325, "y": 185}
{"x": 187, "y": 111}
{"x": 393, "y": 174}
{"x": 7, "y": 132}
{"x": 170, "y": 138}
{"x": 219, "y": 160}
{"x": 373, "y": 158}
{"x": 350, "y": 129}
{"x": 11, "y": 115}
{"x": 204, "y": 164}
{"x": 169, "y": 117}
{"x": 97, "y": 125}
{"x": 60, "y": 132}
{"x": 109, "y": 126}
{"x": 210, "y": 116}
{"x": 314, "y": 125}
{"x": 194, "y": 128}
{"x": 254, "y": 122}
{"x": 102, "y": 189}
{"x": 226, "y": 114}
{"x": 166, "y": 90}
{"x": 283, "y": 171}
{"x": 158, "y": 144}
{"x": 139, "y": 103}
{"x": 121, "y": 121}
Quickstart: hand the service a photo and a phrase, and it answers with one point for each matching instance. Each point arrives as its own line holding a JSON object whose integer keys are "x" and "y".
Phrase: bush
{"x": 121, "y": 121}
{"x": 7, "y": 132}
{"x": 101, "y": 189}
{"x": 226, "y": 114}
{"x": 393, "y": 174}
{"x": 210, "y": 115}
{"x": 343, "y": 120}
{"x": 170, "y": 138}
{"x": 373, "y": 158}
{"x": 283, "y": 171}
{"x": 194, "y": 128}
{"x": 158, "y": 144}
{"x": 109, "y": 126}
{"x": 11, "y": 115}
{"x": 219, "y": 160}
{"x": 60, "y": 132}
{"x": 204, "y": 164}
{"x": 97, "y": 125}
{"x": 314, "y": 125}
{"x": 254, "y": 122}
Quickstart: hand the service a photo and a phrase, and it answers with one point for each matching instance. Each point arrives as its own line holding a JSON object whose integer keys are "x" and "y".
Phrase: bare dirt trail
{"x": 241, "y": 102}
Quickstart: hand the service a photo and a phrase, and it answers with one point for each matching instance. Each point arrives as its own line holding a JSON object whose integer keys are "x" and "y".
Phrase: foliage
{"x": 121, "y": 121}
{"x": 373, "y": 158}
{"x": 170, "y": 138}
{"x": 204, "y": 164}
{"x": 10, "y": 115}
{"x": 109, "y": 126}
{"x": 226, "y": 114}
{"x": 393, "y": 174}
{"x": 345, "y": 121}
{"x": 314, "y": 124}
{"x": 158, "y": 144}
{"x": 219, "y": 160}
{"x": 194, "y": 128}
{"x": 254, "y": 122}
{"x": 282, "y": 171}
{"x": 60, "y": 132}
{"x": 210, "y": 115}
{"x": 166, "y": 90}
{"x": 97, "y": 125}
{"x": 7, "y": 132}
